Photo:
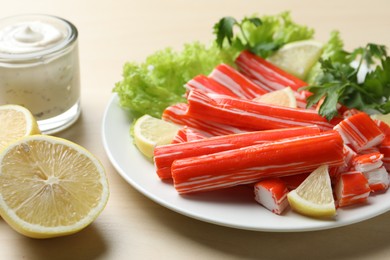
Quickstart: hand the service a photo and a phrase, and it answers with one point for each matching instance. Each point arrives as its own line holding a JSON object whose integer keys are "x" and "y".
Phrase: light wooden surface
{"x": 134, "y": 227}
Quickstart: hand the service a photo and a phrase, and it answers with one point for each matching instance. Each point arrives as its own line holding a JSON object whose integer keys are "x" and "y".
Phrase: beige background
{"x": 134, "y": 227}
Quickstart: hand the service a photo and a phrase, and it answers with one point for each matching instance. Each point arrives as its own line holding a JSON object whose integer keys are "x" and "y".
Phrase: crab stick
{"x": 272, "y": 194}
{"x": 209, "y": 85}
{"x": 269, "y": 75}
{"x": 253, "y": 163}
{"x": 166, "y": 154}
{"x": 250, "y": 114}
{"x": 352, "y": 188}
{"x": 360, "y": 131}
{"x": 378, "y": 179}
{"x": 384, "y": 148}
{"x": 186, "y": 134}
{"x": 236, "y": 82}
{"x": 367, "y": 162}
{"x": 178, "y": 114}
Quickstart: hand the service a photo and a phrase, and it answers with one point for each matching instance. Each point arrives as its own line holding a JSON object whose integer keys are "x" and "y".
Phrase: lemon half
{"x": 50, "y": 186}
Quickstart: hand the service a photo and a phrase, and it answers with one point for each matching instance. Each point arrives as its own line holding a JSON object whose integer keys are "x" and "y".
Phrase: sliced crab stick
{"x": 335, "y": 172}
{"x": 367, "y": 162}
{"x": 360, "y": 131}
{"x": 250, "y": 114}
{"x": 272, "y": 194}
{"x": 166, "y": 154}
{"x": 186, "y": 134}
{"x": 378, "y": 179}
{"x": 384, "y": 148}
{"x": 209, "y": 85}
{"x": 178, "y": 114}
{"x": 385, "y": 128}
{"x": 236, "y": 82}
{"x": 352, "y": 188}
{"x": 253, "y": 163}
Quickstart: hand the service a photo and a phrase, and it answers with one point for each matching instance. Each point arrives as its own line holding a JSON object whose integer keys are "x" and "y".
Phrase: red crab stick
{"x": 378, "y": 179}
{"x": 253, "y": 163}
{"x": 384, "y": 149}
{"x": 250, "y": 114}
{"x": 178, "y": 114}
{"x": 272, "y": 194}
{"x": 166, "y": 154}
{"x": 360, "y": 131}
{"x": 209, "y": 85}
{"x": 367, "y": 162}
{"x": 267, "y": 74}
{"x": 352, "y": 188}
{"x": 186, "y": 134}
{"x": 236, "y": 82}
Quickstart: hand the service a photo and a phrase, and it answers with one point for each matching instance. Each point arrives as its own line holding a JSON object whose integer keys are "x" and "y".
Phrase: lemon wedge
{"x": 284, "y": 97}
{"x": 16, "y": 122}
{"x": 314, "y": 196}
{"x": 50, "y": 187}
{"x": 382, "y": 117}
{"x": 150, "y": 132}
{"x": 297, "y": 58}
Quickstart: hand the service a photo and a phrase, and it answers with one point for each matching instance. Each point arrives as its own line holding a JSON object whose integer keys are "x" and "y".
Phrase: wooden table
{"x": 134, "y": 227}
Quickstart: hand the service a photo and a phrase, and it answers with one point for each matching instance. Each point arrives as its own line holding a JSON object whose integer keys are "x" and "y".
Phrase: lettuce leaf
{"x": 151, "y": 86}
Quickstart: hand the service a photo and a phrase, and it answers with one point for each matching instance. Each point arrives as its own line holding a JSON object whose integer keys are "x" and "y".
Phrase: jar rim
{"x": 70, "y": 38}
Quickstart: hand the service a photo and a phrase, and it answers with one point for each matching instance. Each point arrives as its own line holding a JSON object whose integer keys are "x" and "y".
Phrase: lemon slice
{"x": 15, "y": 122}
{"x": 314, "y": 196}
{"x": 150, "y": 132}
{"x": 298, "y": 57}
{"x": 284, "y": 97}
{"x": 50, "y": 186}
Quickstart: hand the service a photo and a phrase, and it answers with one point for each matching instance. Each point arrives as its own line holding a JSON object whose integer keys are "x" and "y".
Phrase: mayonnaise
{"x": 39, "y": 68}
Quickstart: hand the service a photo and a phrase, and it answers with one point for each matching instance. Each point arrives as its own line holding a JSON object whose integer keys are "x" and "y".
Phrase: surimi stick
{"x": 360, "y": 131}
{"x": 253, "y": 163}
{"x": 249, "y": 114}
{"x": 209, "y": 85}
{"x": 166, "y": 154}
{"x": 178, "y": 114}
{"x": 237, "y": 82}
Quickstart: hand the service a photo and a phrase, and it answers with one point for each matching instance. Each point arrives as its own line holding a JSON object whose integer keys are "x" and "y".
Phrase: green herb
{"x": 340, "y": 82}
{"x": 260, "y": 35}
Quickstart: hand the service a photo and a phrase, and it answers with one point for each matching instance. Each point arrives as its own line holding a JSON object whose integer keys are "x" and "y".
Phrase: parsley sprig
{"x": 340, "y": 82}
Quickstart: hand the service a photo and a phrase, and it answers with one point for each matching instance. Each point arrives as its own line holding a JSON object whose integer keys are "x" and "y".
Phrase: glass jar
{"x": 39, "y": 68}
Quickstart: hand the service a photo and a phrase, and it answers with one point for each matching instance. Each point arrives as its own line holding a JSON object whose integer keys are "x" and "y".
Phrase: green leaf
{"x": 338, "y": 81}
{"x": 260, "y": 35}
{"x": 224, "y": 30}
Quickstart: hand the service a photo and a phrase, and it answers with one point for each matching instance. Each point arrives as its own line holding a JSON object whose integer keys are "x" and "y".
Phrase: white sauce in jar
{"x": 39, "y": 66}
{"x": 29, "y": 37}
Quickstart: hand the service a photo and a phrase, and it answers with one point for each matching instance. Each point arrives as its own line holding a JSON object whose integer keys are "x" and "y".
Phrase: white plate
{"x": 234, "y": 207}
